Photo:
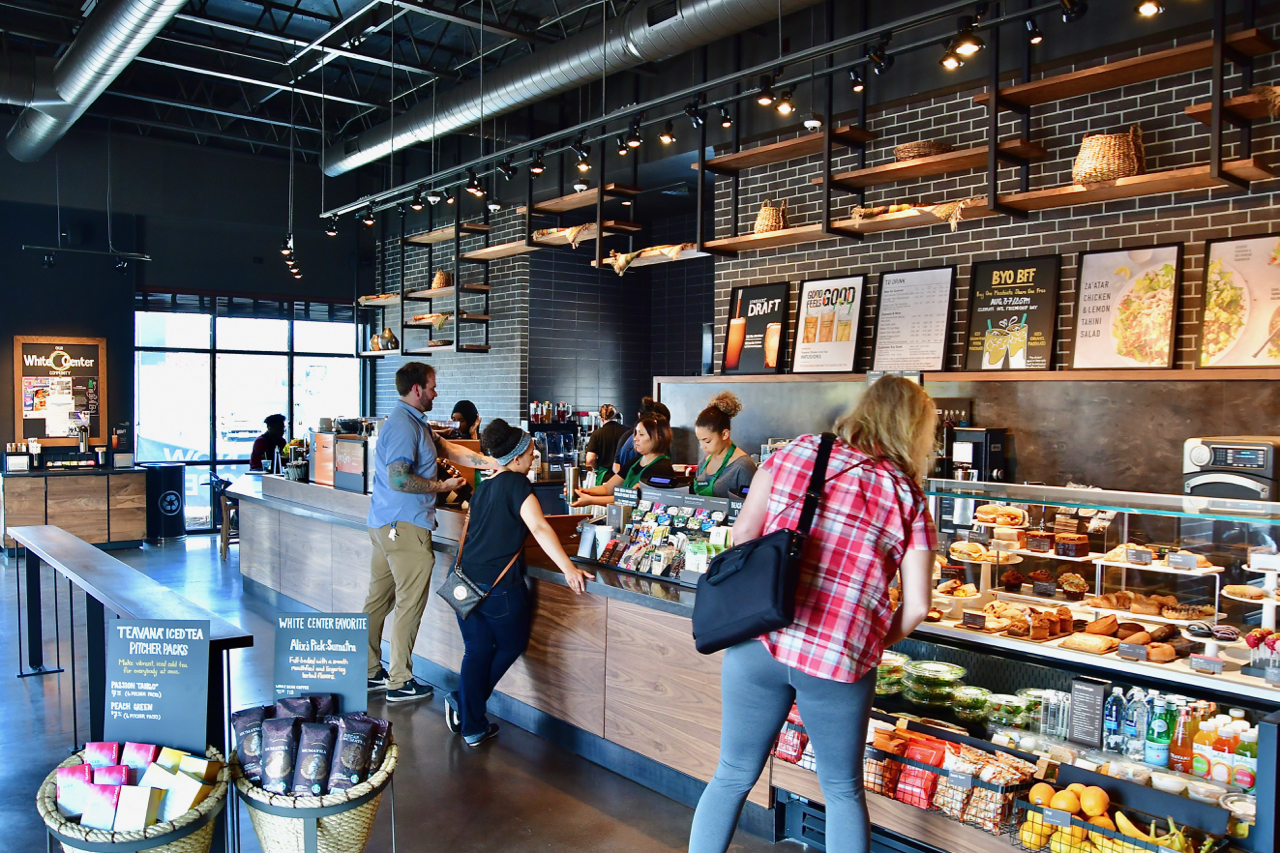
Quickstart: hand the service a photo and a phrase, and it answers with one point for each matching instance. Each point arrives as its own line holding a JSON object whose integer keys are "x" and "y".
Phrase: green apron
{"x": 708, "y": 490}
{"x": 633, "y": 477}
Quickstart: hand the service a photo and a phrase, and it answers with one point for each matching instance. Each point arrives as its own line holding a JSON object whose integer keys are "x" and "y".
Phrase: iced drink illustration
{"x": 995, "y": 347}
{"x": 844, "y": 322}
{"x": 1018, "y": 346}
{"x": 772, "y": 335}
{"x": 827, "y": 324}
{"x": 733, "y": 344}
{"x": 810, "y": 328}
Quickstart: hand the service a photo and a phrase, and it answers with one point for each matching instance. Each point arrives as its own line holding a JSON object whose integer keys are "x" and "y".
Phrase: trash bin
{"x": 166, "y": 501}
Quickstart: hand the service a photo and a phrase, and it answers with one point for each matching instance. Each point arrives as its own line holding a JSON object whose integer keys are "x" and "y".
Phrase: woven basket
{"x": 916, "y": 150}
{"x": 442, "y": 278}
{"x": 335, "y": 823}
{"x": 1271, "y": 95}
{"x": 190, "y": 833}
{"x": 1108, "y": 156}
{"x": 770, "y": 217}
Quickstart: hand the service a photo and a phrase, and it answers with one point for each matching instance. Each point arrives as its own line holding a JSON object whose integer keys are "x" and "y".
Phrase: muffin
{"x": 1073, "y": 586}
{"x": 1012, "y": 581}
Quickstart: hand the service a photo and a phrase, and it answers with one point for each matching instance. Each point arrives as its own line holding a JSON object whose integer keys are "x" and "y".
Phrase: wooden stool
{"x": 225, "y": 538}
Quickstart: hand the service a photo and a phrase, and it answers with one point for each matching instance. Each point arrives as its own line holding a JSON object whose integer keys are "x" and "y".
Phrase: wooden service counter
{"x": 102, "y": 506}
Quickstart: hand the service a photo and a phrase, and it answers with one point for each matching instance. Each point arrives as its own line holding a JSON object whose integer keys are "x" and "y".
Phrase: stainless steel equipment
{"x": 1243, "y": 467}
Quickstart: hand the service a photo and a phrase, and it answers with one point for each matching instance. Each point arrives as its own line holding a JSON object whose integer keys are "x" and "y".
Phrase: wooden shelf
{"x": 1252, "y": 107}
{"x": 659, "y": 258}
{"x": 800, "y": 234}
{"x": 792, "y": 236}
{"x": 426, "y": 293}
{"x": 1175, "y": 60}
{"x": 442, "y": 235}
{"x": 518, "y": 247}
{"x": 378, "y": 353}
{"x": 586, "y": 198}
{"x": 471, "y": 348}
{"x": 938, "y": 164}
{"x": 1208, "y": 374}
{"x": 502, "y": 250}
{"x": 788, "y": 149}
{"x": 394, "y": 299}
{"x": 474, "y": 318}
{"x": 908, "y": 219}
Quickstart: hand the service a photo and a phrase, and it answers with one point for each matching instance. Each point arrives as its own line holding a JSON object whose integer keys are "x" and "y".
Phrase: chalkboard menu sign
{"x": 1127, "y": 308}
{"x": 913, "y": 313}
{"x": 1012, "y": 314}
{"x": 59, "y": 384}
{"x": 157, "y": 673}
{"x": 755, "y": 341}
{"x": 323, "y": 653}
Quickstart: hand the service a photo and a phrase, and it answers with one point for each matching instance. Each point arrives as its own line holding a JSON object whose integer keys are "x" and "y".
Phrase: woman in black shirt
{"x": 504, "y": 511}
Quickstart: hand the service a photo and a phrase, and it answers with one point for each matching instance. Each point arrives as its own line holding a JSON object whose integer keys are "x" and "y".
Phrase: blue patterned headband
{"x": 521, "y": 446}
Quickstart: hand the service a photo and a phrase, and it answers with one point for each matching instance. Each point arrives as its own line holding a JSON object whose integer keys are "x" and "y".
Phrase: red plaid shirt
{"x": 869, "y": 517}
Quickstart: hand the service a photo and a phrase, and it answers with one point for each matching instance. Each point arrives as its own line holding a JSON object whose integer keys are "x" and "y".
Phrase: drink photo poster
{"x": 1013, "y": 311}
{"x": 827, "y": 317}
{"x": 755, "y": 340}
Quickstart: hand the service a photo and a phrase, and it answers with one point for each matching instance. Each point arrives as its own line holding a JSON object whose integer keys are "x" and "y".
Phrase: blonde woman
{"x": 871, "y": 524}
{"x": 726, "y": 469}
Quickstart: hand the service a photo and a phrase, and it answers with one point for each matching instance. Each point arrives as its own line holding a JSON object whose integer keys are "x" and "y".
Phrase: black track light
{"x": 1073, "y": 10}
{"x": 507, "y": 169}
{"x": 416, "y": 204}
{"x": 951, "y": 60}
{"x": 1034, "y": 36}
{"x": 881, "y": 61}
{"x": 966, "y": 43}
{"x": 473, "y": 184}
{"x": 297, "y": 274}
{"x": 726, "y": 120}
{"x": 433, "y": 197}
{"x": 583, "y": 164}
{"x": 856, "y": 83}
{"x": 623, "y": 148}
{"x": 286, "y": 246}
{"x": 367, "y": 216}
{"x": 580, "y": 185}
{"x": 332, "y": 229}
{"x": 765, "y": 98}
{"x": 634, "y": 139}
{"x": 448, "y": 198}
{"x": 537, "y": 167}
{"x": 580, "y": 148}
{"x": 494, "y": 205}
{"x": 47, "y": 262}
{"x": 122, "y": 266}
{"x": 784, "y": 105}
{"x": 694, "y": 114}
{"x": 668, "y": 134}
{"x": 1149, "y": 8}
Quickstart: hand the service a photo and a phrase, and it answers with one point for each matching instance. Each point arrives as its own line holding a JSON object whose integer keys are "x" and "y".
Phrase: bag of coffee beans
{"x": 297, "y": 707}
{"x": 315, "y": 751}
{"x": 279, "y": 745}
{"x": 322, "y": 704}
{"x": 248, "y": 728}
{"x": 381, "y": 740}
{"x": 351, "y": 753}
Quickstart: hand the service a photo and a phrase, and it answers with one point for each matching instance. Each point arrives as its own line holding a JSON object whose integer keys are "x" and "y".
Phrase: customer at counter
{"x": 627, "y": 452}
{"x": 402, "y": 514}
{"x": 602, "y": 447}
{"x": 266, "y": 445}
{"x": 652, "y": 438}
{"x": 504, "y": 512}
{"x": 871, "y": 523}
{"x": 727, "y": 469}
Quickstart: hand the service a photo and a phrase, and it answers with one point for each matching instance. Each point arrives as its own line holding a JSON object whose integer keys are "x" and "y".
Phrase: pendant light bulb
{"x": 367, "y": 216}
{"x": 634, "y": 139}
{"x": 668, "y": 134}
{"x": 286, "y": 247}
{"x": 784, "y": 105}
{"x": 765, "y": 98}
{"x": 584, "y": 165}
{"x": 449, "y": 199}
{"x": 416, "y": 204}
{"x": 537, "y": 167}
{"x": 1073, "y": 10}
{"x": 332, "y": 229}
{"x": 1149, "y": 8}
{"x": 473, "y": 184}
{"x": 726, "y": 120}
{"x": 856, "y": 83}
{"x": 966, "y": 43}
{"x": 1034, "y": 36}
{"x": 951, "y": 60}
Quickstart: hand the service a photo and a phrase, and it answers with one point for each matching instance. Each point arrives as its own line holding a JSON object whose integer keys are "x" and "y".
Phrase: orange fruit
{"x": 1077, "y": 788}
{"x": 1041, "y": 793}
{"x": 1094, "y": 801}
{"x": 1067, "y": 801}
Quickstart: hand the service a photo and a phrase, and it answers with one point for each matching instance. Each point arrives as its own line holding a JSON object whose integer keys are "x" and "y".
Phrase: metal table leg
{"x": 96, "y": 625}
{"x": 35, "y": 622}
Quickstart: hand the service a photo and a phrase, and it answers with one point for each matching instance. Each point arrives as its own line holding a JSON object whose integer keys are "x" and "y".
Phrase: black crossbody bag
{"x": 750, "y": 589}
{"x": 463, "y": 594}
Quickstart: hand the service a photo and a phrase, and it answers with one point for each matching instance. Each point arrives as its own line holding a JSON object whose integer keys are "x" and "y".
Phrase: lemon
{"x": 1124, "y": 272}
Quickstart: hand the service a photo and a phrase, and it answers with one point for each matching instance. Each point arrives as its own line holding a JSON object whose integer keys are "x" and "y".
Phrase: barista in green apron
{"x": 726, "y": 469}
{"x": 652, "y": 441}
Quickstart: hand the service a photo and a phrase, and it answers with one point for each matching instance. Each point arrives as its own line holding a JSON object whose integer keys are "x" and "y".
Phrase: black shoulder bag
{"x": 750, "y": 589}
{"x": 463, "y": 594}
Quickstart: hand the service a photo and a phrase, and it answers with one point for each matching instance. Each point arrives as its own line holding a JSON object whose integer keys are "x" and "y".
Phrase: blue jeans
{"x": 757, "y": 693}
{"x": 493, "y": 637}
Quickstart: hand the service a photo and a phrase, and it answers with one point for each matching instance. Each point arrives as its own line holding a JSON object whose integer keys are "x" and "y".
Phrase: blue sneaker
{"x": 412, "y": 691}
{"x": 476, "y": 740}
{"x": 380, "y": 681}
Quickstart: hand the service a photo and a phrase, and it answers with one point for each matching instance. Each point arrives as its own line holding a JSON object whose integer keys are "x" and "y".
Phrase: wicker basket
{"x": 442, "y": 278}
{"x": 1108, "y": 156}
{"x": 335, "y": 823}
{"x": 771, "y": 218}
{"x": 916, "y": 150}
{"x": 190, "y": 833}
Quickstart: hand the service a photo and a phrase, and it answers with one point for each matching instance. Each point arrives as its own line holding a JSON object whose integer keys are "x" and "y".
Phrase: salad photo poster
{"x": 1126, "y": 308}
{"x": 1240, "y": 320}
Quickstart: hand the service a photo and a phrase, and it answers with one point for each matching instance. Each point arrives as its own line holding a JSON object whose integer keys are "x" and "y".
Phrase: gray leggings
{"x": 757, "y": 692}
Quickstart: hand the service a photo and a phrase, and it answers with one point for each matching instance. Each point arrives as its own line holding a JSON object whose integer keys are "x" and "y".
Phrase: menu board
{"x": 1240, "y": 317}
{"x": 913, "y": 315}
{"x": 755, "y": 338}
{"x": 827, "y": 325}
{"x": 1127, "y": 308}
{"x": 59, "y": 384}
{"x": 1013, "y": 309}
{"x": 323, "y": 653}
{"x": 157, "y": 672}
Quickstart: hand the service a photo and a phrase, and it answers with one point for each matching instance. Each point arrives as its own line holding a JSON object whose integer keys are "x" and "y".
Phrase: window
{"x": 204, "y": 383}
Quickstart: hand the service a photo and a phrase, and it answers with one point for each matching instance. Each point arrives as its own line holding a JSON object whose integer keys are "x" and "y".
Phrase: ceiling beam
{"x": 464, "y": 20}
{"x": 222, "y": 75}
{"x": 147, "y": 99}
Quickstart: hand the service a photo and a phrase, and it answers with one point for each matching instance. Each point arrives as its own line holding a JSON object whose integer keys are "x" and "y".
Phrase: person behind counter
{"x": 504, "y": 512}
{"x": 872, "y": 523}
{"x": 266, "y": 445}
{"x": 467, "y": 416}
{"x": 727, "y": 469}
{"x": 602, "y": 447}
{"x": 652, "y": 438}
{"x": 402, "y": 514}
{"x": 627, "y": 452}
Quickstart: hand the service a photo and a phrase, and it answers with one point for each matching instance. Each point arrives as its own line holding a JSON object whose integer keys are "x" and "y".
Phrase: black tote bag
{"x": 750, "y": 589}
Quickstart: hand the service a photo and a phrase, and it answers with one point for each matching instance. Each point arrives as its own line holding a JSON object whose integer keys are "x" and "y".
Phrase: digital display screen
{"x": 1240, "y": 457}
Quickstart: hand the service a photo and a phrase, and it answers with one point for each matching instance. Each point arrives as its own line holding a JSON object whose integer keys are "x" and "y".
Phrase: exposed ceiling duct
{"x": 653, "y": 31}
{"x": 56, "y": 96}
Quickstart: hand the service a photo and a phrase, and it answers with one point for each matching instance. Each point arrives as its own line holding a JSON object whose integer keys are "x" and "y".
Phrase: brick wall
{"x": 1172, "y": 140}
{"x": 682, "y": 301}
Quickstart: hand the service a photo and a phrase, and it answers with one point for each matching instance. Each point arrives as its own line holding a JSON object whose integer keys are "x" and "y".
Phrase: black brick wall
{"x": 683, "y": 298}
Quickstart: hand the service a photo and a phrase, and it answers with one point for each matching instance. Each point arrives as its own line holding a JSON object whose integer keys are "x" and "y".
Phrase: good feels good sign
{"x": 756, "y": 336}
{"x": 157, "y": 673}
{"x": 1012, "y": 314}
{"x": 827, "y": 326}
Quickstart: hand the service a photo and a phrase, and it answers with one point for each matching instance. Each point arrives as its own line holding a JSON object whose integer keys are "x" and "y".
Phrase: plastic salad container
{"x": 934, "y": 672}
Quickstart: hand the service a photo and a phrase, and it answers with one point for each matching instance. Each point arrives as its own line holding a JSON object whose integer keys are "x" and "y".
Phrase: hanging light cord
{"x": 291, "y": 134}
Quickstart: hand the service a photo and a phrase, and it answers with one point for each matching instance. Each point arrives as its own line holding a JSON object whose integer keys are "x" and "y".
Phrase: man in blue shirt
{"x": 402, "y": 514}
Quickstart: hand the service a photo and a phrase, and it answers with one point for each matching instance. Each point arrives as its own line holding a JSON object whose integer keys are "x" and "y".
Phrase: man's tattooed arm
{"x": 402, "y": 479}
{"x": 460, "y": 455}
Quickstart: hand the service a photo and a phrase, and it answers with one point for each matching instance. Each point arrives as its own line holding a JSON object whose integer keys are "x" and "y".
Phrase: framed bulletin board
{"x": 59, "y": 383}
{"x": 913, "y": 315}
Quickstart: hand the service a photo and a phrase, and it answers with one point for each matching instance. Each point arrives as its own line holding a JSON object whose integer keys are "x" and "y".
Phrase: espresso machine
{"x": 975, "y": 454}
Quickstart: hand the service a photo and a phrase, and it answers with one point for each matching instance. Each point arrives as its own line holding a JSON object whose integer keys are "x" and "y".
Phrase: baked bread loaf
{"x": 1065, "y": 619}
{"x": 1165, "y": 633}
{"x": 1141, "y": 638}
{"x": 1112, "y": 600}
{"x": 1127, "y": 629}
{"x": 1043, "y": 626}
{"x": 1095, "y": 644}
{"x": 1244, "y": 590}
{"x": 1188, "y": 612}
{"x": 1105, "y": 626}
{"x": 1019, "y": 627}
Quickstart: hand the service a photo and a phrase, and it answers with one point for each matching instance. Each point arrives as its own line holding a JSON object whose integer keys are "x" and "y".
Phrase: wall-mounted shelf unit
{"x": 586, "y": 198}
{"x": 787, "y": 149}
{"x": 427, "y": 294}
{"x": 560, "y": 238}
{"x": 446, "y": 234}
{"x": 938, "y": 164}
{"x": 657, "y": 258}
{"x": 1248, "y": 107}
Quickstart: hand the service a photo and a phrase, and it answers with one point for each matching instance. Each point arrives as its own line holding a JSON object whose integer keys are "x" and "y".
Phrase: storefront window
{"x": 310, "y": 336}
{"x": 250, "y": 387}
{"x": 180, "y": 331}
{"x": 323, "y": 388}
{"x": 252, "y": 333}
{"x": 172, "y": 400}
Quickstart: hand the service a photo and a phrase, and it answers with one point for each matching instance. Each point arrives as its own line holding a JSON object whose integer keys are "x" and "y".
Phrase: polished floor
{"x": 517, "y": 793}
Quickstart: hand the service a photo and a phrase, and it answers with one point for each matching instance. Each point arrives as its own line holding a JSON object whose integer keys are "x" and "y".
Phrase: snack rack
{"x": 1078, "y": 836}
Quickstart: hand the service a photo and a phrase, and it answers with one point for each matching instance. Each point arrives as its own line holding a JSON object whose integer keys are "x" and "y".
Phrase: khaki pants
{"x": 400, "y": 578}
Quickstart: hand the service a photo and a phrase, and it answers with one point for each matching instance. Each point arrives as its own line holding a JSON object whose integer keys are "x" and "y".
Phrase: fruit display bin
{"x": 1039, "y": 828}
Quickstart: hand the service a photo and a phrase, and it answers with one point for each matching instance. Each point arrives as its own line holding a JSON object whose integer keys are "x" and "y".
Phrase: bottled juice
{"x": 1246, "y": 760}
{"x": 1222, "y": 762}
{"x": 1181, "y": 752}
{"x": 1193, "y": 723}
{"x": 1202, "y": 762}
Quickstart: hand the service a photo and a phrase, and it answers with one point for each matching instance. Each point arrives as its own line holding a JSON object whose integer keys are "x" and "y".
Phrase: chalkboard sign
{"x": 1181, "y": 561}
{"x": 1088, "y": 697}
{"x": 157, "y": 682}
{"x": 626, "y": 497}
{"x": 323, "y": 653}
{"x": 1138, "y": 556}
{"x": 58, "y": 384}
{"x": 1132, "y": 651}
{"x": 973, "y": 619}
{"x": 1013, "y": 312}
{"x": 1203, "y": 663}
{"x": 1047, "y": 589}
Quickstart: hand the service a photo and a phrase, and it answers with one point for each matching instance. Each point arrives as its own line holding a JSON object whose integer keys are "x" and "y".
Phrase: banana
{"x": 1127, "y": 827}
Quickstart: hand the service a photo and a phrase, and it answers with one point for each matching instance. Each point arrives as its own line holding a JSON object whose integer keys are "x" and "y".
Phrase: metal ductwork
{"x": 113, "y": 35}
{"x": 653, "y": 31}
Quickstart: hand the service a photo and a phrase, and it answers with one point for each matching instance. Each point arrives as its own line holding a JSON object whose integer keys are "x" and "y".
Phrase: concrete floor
{"x": 518, "y": 793}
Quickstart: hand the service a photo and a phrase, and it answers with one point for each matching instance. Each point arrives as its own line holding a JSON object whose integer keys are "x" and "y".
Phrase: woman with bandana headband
{"x": 504, "y": 511}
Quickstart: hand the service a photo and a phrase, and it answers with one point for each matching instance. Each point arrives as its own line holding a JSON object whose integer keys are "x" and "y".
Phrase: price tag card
{"x": 981, "y": 535}
{"x": 950, "y": 573}
{"x": 964, "y": 781}
{"x": 1273, "y": 676}
{"x": 1048, "y": 589}
{"x": 1181, "y": 561}
{"x": 974, "y": 619}
{"x": 1203, "y": 663}
{"x": 1264, "y": 562}
{"x": 1138, "y": 556}
{"x": 626, "y": 497}
{"x": 1057, "y": 817}
{"x": 876, "y": 754}
{"x": 1132, "y": 651}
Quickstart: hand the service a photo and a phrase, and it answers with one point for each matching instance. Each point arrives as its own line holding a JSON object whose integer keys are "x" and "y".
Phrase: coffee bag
{"x": 322, "y": 704}
{"x": 315, "y": 753}
{"x": 248, "y": 727}
{"x": 297, "y": 707}
{"x": 279, "y": 747}
{"x": 351, "y": 753}
{"x": 381, "y": 740}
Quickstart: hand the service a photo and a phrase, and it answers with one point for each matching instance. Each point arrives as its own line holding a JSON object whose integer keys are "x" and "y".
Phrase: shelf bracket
{"x": 827, "y": 227}
{"x": 994, "y": 157}
{"x": 1221, "y": 52}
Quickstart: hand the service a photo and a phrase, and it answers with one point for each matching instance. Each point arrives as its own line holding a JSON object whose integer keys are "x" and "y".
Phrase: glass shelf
{"x": 1176, "y": 506}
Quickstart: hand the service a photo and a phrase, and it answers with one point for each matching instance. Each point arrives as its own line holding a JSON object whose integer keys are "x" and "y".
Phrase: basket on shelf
{"x": 1108, "y": 156}
{"x": 1270, "y": 94}
{"x": 1030, "y": 830}
{"x": 771, "y": 217}
{"x": 442, "y": 278}
{"x": 339, "y": 822}
{"x": 918, "y": 149}
{"x": 189, "y": 833}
